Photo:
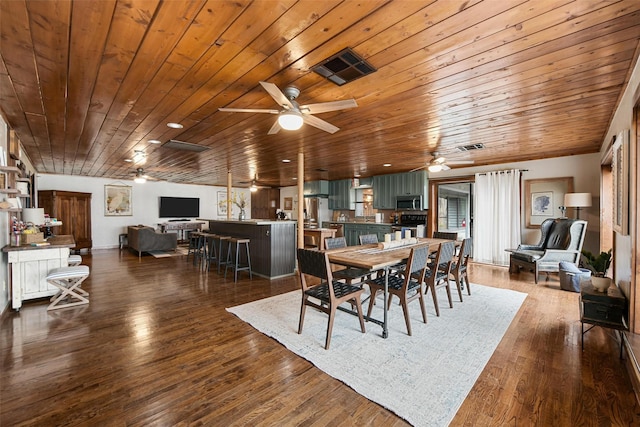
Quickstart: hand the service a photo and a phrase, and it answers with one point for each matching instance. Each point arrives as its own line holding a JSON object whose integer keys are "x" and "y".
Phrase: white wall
{"x": 5, "y": 223}
{"x": 585, "y": 170}
{"x": 622, "y": 120}
{"x": 105, "y": 229}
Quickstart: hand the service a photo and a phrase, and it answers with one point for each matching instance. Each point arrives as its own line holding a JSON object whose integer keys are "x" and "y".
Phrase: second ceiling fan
{"x": 291, "y": 115}
{"x": 439, "y": 163}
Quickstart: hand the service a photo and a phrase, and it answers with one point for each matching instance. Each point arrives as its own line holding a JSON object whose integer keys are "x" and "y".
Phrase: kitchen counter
{"x": 272, "y": 246}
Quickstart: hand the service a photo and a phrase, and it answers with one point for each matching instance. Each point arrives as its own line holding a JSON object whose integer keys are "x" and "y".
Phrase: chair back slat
{"x": 445, "y": 235}
{"x": 366, "y": 239}
{"x": 314, "y": 263}
{"x": 445, "y": 256}
{"x": 335, "y": 242}
{"x": 418, "y": 259}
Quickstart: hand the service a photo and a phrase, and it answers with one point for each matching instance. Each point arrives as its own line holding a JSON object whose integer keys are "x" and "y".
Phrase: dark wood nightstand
{"x": 604, "y": 309}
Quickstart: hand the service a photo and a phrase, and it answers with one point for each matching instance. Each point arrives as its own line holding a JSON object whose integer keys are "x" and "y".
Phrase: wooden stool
{"x": 74, "y": 260}
{"x": 211, "y": 252}
{"x": 222, "y": 257}
{"x": 196, "y": 246}
{"x": 68, "y": 280}
{"x": 233, "y": 257}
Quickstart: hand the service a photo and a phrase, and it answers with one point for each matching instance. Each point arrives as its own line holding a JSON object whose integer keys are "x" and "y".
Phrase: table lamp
{"x": 34, "y": 216}
{"x": 577, "y": 201}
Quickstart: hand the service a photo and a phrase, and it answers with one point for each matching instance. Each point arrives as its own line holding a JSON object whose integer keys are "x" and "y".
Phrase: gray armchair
{"x": 561, "y": 240}
{"x": 145, "y": 239}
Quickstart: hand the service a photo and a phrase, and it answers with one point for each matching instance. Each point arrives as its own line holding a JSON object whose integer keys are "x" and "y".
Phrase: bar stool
{"x": 74, "y": 260}
{"x": 233, "y": 257}
{"x": 211, "y": 253}
{"x": 68, "y": 280}
{"x": 223, "y": 243}
{"x": 196, "y": 245}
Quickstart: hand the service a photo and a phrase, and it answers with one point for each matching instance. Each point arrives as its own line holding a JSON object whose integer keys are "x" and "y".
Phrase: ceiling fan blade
{"x": 319, "y": 123}
{"x": 248, "y": 110}
{"x": 276, "y": 94}
{"x": 275, "y": 128}
{"x": 417, "y": 169}
{"x": 461, "y": 162}
{"x": 323, "y": 107}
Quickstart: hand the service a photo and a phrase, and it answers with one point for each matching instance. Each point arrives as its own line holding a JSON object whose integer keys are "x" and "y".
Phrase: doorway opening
{"x": 451, "y": 207}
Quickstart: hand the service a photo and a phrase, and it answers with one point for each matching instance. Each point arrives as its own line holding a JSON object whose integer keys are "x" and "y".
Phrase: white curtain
{"x": 497, "y": 216}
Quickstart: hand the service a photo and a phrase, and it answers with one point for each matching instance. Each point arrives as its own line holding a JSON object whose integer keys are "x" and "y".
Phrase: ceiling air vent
{"x": 471, "y": 147}
{"x": 186, "y": 146}
{"x": 343, "y": 67}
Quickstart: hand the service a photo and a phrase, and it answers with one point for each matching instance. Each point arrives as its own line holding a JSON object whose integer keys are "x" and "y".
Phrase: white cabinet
{"x": 29, "y": 269}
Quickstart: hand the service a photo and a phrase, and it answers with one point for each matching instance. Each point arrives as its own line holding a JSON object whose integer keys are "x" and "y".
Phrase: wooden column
{"x": 229, "y": 195}
{"x": 300, "y": 199}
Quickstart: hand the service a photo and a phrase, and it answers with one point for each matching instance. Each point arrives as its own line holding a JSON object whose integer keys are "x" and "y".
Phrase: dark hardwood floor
{"x": 156, "y": 346}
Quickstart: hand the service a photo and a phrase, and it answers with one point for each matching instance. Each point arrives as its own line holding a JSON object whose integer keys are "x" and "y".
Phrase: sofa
{"x": 561, "y": 240}
{"x": 142, "y": 238}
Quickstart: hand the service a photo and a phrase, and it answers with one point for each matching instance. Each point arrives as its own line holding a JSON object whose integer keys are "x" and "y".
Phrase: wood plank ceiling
{"x": 85, "y": 85}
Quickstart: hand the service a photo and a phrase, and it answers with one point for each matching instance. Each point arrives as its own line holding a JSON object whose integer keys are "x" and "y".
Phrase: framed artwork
{"x": 620, "y": 170}
{"x": 543, "y": 198}
{"x": 222, "y": 203}
{"x": 288, "y": 203}
{"x": 117, "y": 200}
{"x": 542, "y": 203}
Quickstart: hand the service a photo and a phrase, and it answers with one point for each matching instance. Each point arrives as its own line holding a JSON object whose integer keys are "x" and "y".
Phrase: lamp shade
{"x": 290, "y": 120}
{"x": 577, "y": 200}
{"x": 33, "y": 215}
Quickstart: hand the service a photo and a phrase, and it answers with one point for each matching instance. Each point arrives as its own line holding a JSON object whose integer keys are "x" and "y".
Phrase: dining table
{"x": 375, "y": 258}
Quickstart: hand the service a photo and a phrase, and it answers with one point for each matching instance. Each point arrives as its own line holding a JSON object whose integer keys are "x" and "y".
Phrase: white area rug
{"x": 422, "y": 378}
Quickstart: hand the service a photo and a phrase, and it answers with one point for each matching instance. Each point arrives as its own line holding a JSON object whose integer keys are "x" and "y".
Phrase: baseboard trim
{"x": 631, "y": 344}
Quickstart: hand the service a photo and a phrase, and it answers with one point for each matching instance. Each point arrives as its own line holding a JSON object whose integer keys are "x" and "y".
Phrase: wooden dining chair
{"x": 407, "y": 284}
{"x": 350, "y": 275}
{"x": 436, "y": 275}
{"x": 331, "y": 293}
{"x": 367, "y": 239}
{"x": 459, "y": 267}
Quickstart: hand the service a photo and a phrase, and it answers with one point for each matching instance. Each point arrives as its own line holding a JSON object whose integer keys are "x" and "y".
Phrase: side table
{"x": 604, "y": 309}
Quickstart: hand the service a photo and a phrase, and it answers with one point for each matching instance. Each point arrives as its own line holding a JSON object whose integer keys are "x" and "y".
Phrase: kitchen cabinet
{"x": 341, "y": 195}
{"x": 264, "y": 203}
{"x": 316, "y": 188}
{"x": 352, "y": 231}
{"x": 388, "y": 187}
{"x": 74, "y": 210}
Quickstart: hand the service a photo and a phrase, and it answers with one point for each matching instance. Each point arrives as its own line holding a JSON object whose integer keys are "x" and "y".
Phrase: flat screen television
{"x": 179, "y": 207}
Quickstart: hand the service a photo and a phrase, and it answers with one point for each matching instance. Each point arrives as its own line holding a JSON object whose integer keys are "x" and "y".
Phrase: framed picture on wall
{"x": 117, "y": 200}
{"x": 222, "y": 203}
{"x": 620, "y": 171}
{"x": 543, "y": 198}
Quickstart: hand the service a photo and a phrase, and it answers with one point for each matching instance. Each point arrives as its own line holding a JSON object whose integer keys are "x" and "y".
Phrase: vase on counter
{"x": 242, "y": 215}
{"x": 15, "y": 239}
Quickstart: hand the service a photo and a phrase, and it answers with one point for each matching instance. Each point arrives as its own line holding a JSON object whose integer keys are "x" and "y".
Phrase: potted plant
{"x": 598, "y": 266}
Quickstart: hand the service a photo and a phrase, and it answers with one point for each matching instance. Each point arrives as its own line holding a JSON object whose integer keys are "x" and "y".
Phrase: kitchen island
{"x": 273, "y": 243}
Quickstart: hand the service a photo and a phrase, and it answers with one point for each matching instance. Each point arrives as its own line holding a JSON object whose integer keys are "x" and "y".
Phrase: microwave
{"x": 409, "y": 203}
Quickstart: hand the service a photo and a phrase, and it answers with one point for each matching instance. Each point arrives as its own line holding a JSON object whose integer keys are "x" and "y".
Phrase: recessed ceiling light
{"x": 175, "y": 125}
{"x": 154, "y": 141}
{"x": 294, "y": 178}
{"x": 128, "y": 160}
{"x": 386, "y": 165}
{"x": 286, "y": 161}
{"x": 356, "y": 175}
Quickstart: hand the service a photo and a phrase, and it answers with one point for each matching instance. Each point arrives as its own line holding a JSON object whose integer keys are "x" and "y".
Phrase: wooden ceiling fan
{"x": 291, "y": 115}
{"x": 439, "y": 163}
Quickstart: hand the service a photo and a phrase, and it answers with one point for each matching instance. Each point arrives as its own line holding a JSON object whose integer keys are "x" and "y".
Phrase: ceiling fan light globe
{"x": 290, "y": 120}
{"x": 139, "y": 180}
{"x": 435, "y": 168}
{"x": 253, "y": 188}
